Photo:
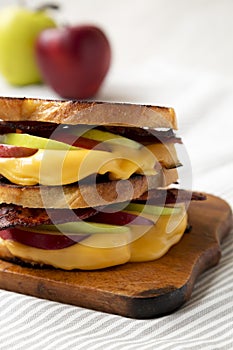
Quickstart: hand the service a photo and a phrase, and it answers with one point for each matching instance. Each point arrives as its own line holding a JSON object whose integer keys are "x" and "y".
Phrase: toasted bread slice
{"x": 90, "y": 113}
{"x": 86, "y": 195}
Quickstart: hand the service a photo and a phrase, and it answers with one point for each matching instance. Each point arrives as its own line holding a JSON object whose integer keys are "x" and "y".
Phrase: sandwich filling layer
{"x": 61, "y": 167}
{"x": 145, "y": 239}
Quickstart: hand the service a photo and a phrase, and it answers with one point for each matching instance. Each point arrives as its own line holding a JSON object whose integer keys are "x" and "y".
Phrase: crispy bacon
{"x": 13, "y": 215}
{"x": 46, "y": 129}
{"x": 144, "y": 136}
{"x": 170, "y": 196}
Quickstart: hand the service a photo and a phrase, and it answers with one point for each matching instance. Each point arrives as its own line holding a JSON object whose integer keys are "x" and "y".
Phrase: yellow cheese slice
{"x": 165, "y": 153}
{"x": 57, "y": 167}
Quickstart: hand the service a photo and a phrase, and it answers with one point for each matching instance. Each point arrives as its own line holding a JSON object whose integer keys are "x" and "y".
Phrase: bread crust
{"x": 90, "y": 113}
{"x": 83, "y": 196}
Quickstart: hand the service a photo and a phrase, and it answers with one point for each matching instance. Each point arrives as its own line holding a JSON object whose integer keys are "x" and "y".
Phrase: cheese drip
{"x": 167, "y": 231}
{"x": 58, "y": 167}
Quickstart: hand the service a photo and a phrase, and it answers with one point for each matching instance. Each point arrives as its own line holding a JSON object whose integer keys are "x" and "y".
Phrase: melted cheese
{"x": 165, "y": 153}
{"x": 57, "y": 167}
{"x": 119, "y": 249}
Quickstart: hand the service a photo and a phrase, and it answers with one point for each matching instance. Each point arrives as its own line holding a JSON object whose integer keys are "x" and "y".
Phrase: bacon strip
{"x": 13, "y": 215}
{"x": 144, "y": 136}
{"x": 45, "y": 129}
{"x": 170, "y": 196}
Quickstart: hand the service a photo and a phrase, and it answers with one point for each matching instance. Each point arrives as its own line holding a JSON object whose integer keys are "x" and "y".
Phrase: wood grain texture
{"x": 136, "y": 290}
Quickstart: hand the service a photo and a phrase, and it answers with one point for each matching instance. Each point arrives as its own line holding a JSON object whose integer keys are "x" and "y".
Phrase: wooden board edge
{"x": 147, "y": 307}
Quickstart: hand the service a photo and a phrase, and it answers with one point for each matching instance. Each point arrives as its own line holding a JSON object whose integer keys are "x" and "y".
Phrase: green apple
{"x": 30, "y": 141}
{"x": 84, "y": 228}
{"x": 105, "y": 136}
{"x": 152, "y": 209}
{"x": 19, "y": 28}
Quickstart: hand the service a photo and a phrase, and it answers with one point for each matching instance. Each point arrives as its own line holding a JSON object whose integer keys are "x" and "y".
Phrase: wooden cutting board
{"x": 136, "y": 290}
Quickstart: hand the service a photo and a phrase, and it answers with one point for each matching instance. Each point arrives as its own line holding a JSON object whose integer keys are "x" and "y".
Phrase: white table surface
{"x": 173, "y": 53}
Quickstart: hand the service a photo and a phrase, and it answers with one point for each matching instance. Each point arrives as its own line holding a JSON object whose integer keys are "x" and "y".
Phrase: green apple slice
{"x": 152, "y": 209}
{"x": 105, "y": 136}
{"x": 84, "y": 228}
{"x": 26, "y": 140}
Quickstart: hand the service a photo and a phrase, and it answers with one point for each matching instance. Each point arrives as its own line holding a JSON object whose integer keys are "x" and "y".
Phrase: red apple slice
{"x": 9, "y": 151}
{"x": 79, "y": 141}
{"x": 41, "y": 240}
{"x": 120, "y": 218}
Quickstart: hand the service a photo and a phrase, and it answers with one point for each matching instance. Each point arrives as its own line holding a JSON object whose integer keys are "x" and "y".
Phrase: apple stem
{"x": 48, "y": 6}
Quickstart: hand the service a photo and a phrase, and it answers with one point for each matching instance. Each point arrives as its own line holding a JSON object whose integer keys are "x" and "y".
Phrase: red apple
{"x": 73, "y": 60}
{"x": 79, "y": 141}
{"x": 8, "y": 151}
{"x": 41, "y": 240}
{"x": 120, "y": 218}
